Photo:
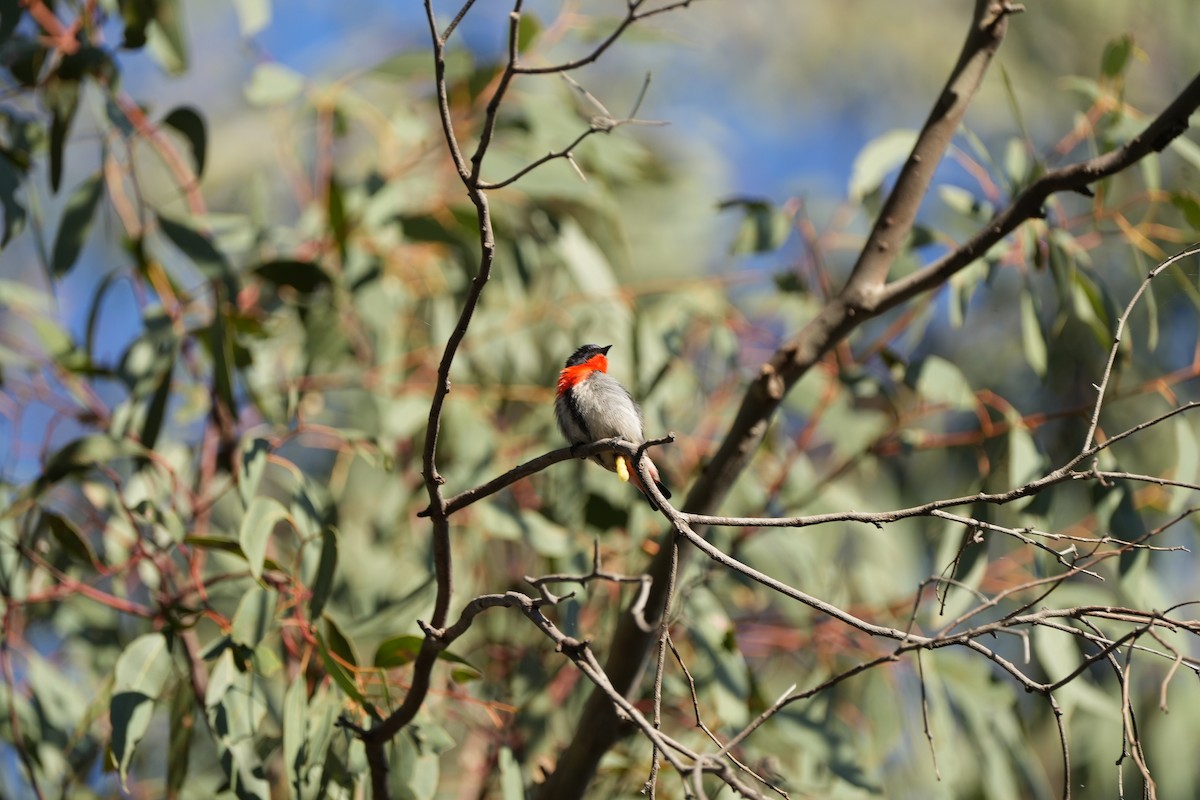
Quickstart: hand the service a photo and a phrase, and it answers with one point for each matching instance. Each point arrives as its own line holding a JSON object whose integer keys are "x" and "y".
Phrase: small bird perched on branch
{"x": 592, "y": 405}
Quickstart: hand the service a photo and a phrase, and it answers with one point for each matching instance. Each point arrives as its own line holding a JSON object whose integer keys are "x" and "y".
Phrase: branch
{"x": 603, "y": 123}
{"x": 1073, "y": 178}
{"x": 863, "y": 298}
{"x": 1116, "y": 346}
{"x": 632, "y": 15}
{"x": 465, "y": 498}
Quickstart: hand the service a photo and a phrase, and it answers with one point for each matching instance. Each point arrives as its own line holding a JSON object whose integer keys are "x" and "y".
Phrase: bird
{"x": 590, "y": 405}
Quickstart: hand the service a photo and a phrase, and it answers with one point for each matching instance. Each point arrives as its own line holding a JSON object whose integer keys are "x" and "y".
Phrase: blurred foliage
{"x": 211, "y": 552}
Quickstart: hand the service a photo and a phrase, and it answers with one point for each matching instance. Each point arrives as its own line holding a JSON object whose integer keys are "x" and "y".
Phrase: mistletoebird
{"x": 592, "y": 405}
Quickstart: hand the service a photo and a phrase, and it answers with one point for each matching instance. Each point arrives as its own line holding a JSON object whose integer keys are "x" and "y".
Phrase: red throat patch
{"x": 580, "y": 372}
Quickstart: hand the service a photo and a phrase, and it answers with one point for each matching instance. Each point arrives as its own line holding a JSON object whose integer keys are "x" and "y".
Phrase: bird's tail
{"x": 626, "y": 472}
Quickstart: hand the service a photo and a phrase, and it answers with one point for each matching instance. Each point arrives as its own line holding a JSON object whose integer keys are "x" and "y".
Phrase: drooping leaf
{"x": 254, "y": 453}
{"x": 877, "y": 159}
{"x": 165, "y": 37}
{"x": 220, "y": 347}
{"x": 253, "y": 15}
{"x": 295, "y": 734}
{"x": 141, "y": 671}
{"x": 11, "y": 178}
{"x": 942, "y": 383}
{"x": 253, "y": 618}
{"x": 181, "y": 726}
{"x": 220, "y": 678}
{"x": 129, "y": 715}
{"x": 219, "y": 543}
{"x": 339, "y": 223}
{"x": 397, "y": 651}
{"x": 1187, "y": 464}
{"x": 71, "y": 539}
{"x": 764, "y": 227}
{"x": 512, "y": 785}
{"x": 273, "y": 84}
{"x": 83, "y": 454}
{"x": 1116, "y": 56}
{"x": 322, "y": 586}
{"x": 136, "y": 14}
{"x": 156, "y": 411}
{"x": 1093, "y": 306}
{"x": 1189, "y": 204}
{"x": 340, "y": 663}
{"x": 197, "y": 247}
{"x": 144, "y": 665}
{"x": 1025, "y": 461}
{"x": 303, "y": 276}
{"x": 190, "y": 124}
{"x": 10, "y": 15}
{"x": 527, "y": 30}
{"x": 1032, "y": 339}
{"x": 62, "y": 98}
{"x": 257, "y": 525}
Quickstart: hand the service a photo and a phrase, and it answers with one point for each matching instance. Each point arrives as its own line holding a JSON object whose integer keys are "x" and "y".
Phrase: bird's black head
{"x": 585, "y": 352}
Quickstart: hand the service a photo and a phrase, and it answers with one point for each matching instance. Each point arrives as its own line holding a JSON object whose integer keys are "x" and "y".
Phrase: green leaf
{"x": 164, "y": 36}
{"x": 877, "y": 159}
{"x": 401, "y": 650}
{"x": 141, "y": 671}
{"x": 179, "y": 745}
{"x": 764, "y": 228}
{"x": 1116, "y": 56}
{"x": 257, "y": 525}
{"x": 1014, "y": 107}
{"x": 197, "y": 247}
{"x": 942, "y": 383}
{"x": 84, "y": 454}
{"x": 156, "y": 411}
{"x": 322, "y": 586}
{"x": 295, "y": 734}
{"x": 1188, "y": 203}
{"x": 1016, "y": 162}
{"x": 1093, "y": 307}
{"x": 71, "y": 540}
{"x": 218, "y": 543}
{"x": 1186, "y": 467}
{"x": 512, "y": 786}
{"x": 10, "y": 15}
{"x": 220, "y": 347}
{"x": 586, "y": 263}
{"x": 338, "y": 657}
{"x": 273, "y": 84}
{"x": 527, "y": 30}
{"x": 1025, "y": 461}
{"x": 129, "y": 715}
{"x": 1188, "y": 150}
{"x": 62, "y": 98}
{"x": 253, "y": 15}
{"x": 144, "y": 665}
{"x": 136, "y": 14}
{"x": 1032, "y": 339}
{"x": 254, "y": 617}
{"x": 190, "y": 124}
{"x": 964, "y": 202}
{"x": 303, "y": 276}
{"x": 339, "y": 645}
{"x": 339, "y": 223}
{"x": 11, "y": 178}
{"x": 397, "y": 651}
{"x": 220, "y": 678}
{"x": 254, "y": 454}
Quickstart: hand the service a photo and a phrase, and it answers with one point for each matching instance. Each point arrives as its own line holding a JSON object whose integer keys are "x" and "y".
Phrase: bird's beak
{"x": 605, "y": 349}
